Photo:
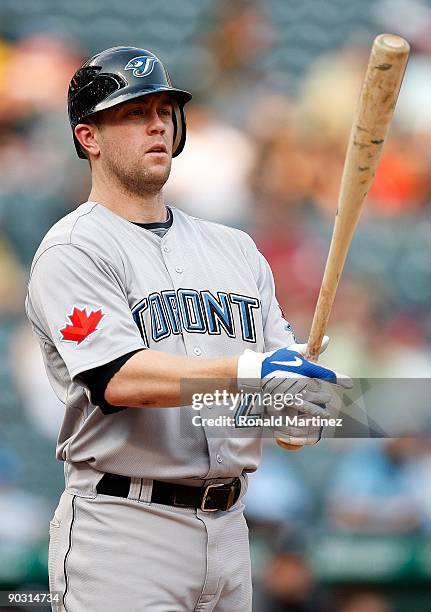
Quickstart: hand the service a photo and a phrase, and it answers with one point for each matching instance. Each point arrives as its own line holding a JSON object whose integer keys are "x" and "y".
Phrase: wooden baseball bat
{"x": 380, "y": 88}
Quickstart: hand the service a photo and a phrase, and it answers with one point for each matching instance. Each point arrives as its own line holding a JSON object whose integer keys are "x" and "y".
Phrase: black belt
{"x": 210, "y": 498}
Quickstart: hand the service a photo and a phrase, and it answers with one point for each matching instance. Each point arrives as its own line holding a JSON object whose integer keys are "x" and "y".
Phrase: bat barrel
{"x": 373, "y": 115}
{"x": 377, "y": 101}
{"x": 393, "y": 43}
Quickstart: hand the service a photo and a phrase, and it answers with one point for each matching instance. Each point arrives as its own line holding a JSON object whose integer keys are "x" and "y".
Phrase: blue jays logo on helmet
{"x": 141, "y": 65}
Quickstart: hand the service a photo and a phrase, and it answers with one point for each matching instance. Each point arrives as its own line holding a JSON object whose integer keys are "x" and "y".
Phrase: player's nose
{"x": 155, "y": 122}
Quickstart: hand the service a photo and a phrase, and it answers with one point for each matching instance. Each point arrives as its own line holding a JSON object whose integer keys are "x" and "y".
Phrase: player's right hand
{"x": 303, "y": 347}
{"x": 287, "y": 372}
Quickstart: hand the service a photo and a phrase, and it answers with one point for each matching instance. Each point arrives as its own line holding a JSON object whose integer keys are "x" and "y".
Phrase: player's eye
{"x": 166, "y": 112}
{"x": 136, "y": 112}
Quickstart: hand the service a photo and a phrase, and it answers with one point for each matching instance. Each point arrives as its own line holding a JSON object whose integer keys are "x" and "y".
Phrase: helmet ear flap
{"x": 176, "y": 120}
{"x": 179, "y": 121}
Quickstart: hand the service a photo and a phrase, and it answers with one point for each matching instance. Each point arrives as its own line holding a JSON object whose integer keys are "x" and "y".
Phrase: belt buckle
{"x": 208, "y": 487}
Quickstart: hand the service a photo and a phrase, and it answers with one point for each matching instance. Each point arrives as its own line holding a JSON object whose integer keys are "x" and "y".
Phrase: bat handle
{"x": 321, "y": 314}
{"x": 313, "y": 345}
{"x": 313, "y": 348}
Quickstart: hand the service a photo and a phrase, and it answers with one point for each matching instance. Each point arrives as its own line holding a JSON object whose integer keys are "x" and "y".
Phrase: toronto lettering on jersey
{"x": 198, "y": 312}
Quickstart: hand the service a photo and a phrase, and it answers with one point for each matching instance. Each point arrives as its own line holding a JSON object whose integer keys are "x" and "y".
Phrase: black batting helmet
{"x": 117, "y": 75}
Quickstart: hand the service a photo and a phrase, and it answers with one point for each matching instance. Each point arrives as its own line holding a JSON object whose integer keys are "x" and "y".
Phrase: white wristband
{"x": 249, "y": 371}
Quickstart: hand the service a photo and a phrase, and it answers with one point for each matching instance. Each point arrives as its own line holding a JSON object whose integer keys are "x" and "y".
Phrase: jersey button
{"x": 178, "y": 269}
{"x": 166, "y": 248}
{"x": 219, "y": 459}
{"x": 197, "y": 351}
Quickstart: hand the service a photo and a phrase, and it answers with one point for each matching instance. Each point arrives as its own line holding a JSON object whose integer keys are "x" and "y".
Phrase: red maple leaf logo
{"x": 81, "y": 325}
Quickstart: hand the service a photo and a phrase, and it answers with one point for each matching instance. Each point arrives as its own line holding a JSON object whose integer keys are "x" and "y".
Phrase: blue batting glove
{"x": 285, "y": 361}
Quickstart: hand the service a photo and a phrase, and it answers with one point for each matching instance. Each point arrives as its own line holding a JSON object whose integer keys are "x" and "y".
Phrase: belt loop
{"x": 146, "y": 490}
{"x": 135, "y": 488}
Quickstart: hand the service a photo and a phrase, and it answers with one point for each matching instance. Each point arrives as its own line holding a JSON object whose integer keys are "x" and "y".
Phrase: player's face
{"x": 135, "y": 140}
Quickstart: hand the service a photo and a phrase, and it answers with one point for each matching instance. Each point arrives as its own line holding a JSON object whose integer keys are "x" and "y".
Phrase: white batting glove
{"x": 302, "y": 348}
{"x": 286, "y": 372}
{"x": 304, "y": 435}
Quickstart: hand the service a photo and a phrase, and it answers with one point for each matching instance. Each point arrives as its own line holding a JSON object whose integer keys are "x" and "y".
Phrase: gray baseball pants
{"x": 108, "y": 554}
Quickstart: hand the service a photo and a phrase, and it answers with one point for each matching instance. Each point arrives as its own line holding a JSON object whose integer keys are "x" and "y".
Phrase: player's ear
{"x": 86, "y": 133}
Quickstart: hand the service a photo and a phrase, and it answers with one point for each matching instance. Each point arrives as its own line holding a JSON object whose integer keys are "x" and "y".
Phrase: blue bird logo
{"x": 142, "y": 65}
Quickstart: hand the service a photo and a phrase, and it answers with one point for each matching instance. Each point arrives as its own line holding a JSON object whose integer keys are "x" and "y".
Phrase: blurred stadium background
{"x": 345, "y": 526}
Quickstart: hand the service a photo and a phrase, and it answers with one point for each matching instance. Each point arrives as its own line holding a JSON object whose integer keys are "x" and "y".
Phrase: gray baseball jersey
{"x": 100, "y": 287}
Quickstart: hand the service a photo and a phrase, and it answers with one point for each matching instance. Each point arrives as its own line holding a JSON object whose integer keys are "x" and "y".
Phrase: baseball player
{"x": 127, "y": 297}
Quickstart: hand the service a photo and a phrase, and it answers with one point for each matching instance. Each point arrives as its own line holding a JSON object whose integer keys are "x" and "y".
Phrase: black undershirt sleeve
{"x": 96, "y": 380}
